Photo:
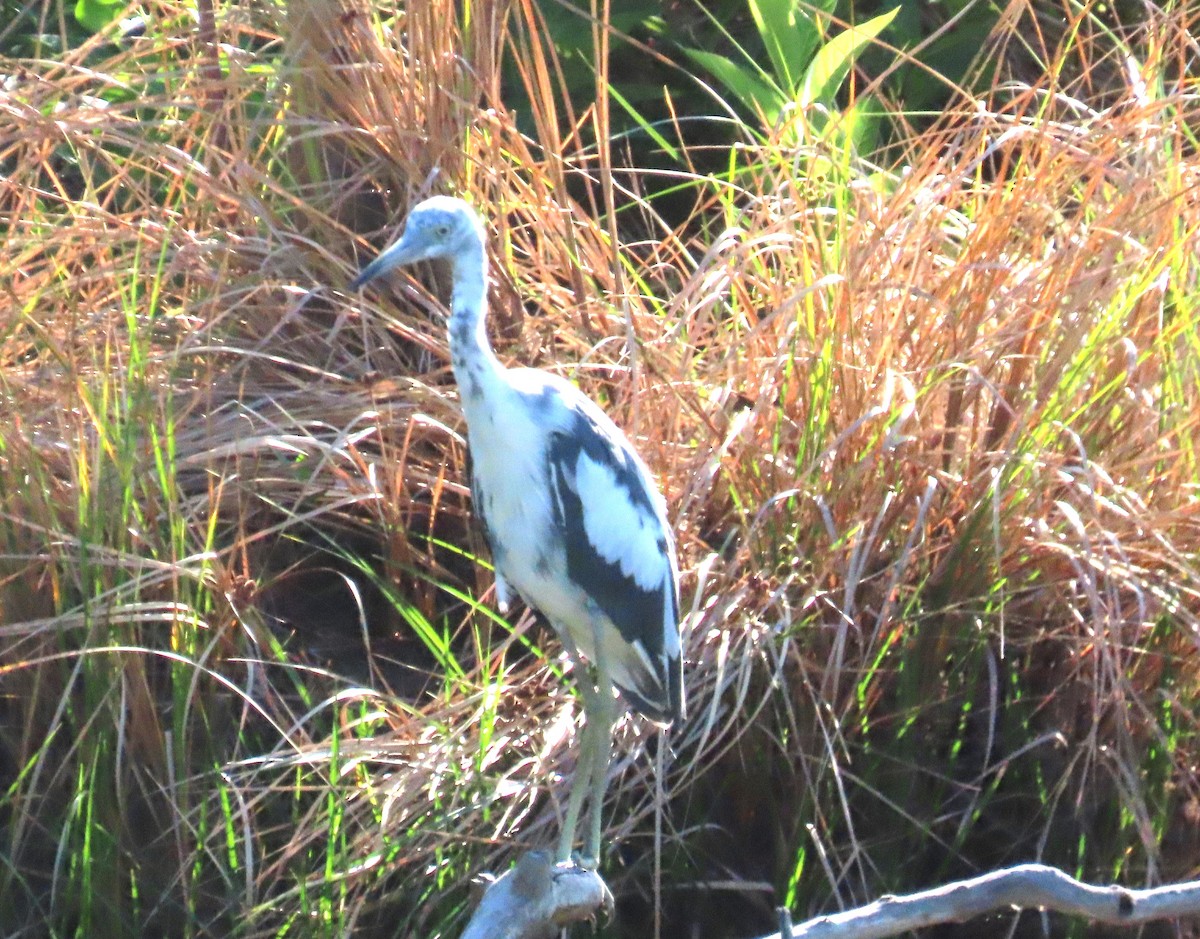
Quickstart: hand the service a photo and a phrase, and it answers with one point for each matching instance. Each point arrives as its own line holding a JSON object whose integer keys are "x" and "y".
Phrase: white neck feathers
{"x": 476, "y": 368}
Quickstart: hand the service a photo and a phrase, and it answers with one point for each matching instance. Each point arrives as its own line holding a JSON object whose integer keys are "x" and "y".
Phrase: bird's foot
{"x": 538, "y": 897}
{"x": 568, "y": 857}
{"x": 588, "y": 867}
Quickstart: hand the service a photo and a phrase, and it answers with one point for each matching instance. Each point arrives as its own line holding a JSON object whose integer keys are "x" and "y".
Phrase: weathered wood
{"x": 1026, "y": 886}
{"x": 536, "y": 898}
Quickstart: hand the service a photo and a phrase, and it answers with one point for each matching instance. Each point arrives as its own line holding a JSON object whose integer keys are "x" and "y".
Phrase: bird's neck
{"x": 476, "y": 368}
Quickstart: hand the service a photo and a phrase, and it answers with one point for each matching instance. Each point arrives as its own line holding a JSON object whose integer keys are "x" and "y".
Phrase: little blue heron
{"x": 572, "y": 515}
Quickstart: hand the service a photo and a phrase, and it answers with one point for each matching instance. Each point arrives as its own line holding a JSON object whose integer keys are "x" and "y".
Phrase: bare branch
{"x": 1022, "y": 887}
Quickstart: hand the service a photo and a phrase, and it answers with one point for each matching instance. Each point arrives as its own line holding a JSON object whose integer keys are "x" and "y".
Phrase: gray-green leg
{"x": 595, "y": 753}
{"x": 591, "y": 773}
{"x": 600, "y": 723}
{"x": 580, "y": 786}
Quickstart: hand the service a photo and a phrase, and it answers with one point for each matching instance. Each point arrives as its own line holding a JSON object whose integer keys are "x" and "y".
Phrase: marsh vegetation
{"x": 921, "y": 390}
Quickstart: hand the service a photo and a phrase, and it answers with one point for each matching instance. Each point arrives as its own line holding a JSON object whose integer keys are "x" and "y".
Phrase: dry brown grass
{"x": 928, "y": 436}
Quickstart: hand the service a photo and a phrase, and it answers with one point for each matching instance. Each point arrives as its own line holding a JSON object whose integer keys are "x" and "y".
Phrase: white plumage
{"x": 575, "y": 523}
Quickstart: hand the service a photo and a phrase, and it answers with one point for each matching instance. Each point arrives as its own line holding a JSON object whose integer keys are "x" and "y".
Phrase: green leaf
{"x": 832, "y": 63}
{"x": 861, "y": 124}
{"x": 952, "y": 55}
{"x": 790, "y": 34}
{"x": 94, "y": 15}
{"x": 758, "y": 94}
{"x": 644, "y": 124}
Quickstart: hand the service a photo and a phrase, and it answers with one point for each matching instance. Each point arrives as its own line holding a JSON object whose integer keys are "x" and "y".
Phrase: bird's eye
{"x": 442, "y": 230}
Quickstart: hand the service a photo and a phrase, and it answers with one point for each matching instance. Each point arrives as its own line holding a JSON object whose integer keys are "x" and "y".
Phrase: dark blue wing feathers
{"x": 637, "y": 612}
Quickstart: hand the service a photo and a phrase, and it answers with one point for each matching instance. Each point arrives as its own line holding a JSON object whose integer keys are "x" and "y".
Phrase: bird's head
{"x": 439, "y": 227}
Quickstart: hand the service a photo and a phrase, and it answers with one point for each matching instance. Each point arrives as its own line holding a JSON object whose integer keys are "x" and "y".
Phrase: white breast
{"x": 509, "y": 459}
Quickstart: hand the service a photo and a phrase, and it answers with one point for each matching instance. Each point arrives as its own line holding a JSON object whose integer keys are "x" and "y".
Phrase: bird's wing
{"x": 618, "y": 544}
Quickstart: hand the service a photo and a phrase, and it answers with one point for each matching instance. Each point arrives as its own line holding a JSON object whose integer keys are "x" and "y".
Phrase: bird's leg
{"x": 601, "y": 715}
{"x": 591, "y": 772}
{"x": 600, "y": 720}
{"x": 580, "y": 785}
{"x": 595, "y": 753}
{"x": 584, "y": 765}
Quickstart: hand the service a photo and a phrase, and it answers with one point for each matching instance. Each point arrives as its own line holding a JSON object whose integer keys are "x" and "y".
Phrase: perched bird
{"x": 574, "y": 520}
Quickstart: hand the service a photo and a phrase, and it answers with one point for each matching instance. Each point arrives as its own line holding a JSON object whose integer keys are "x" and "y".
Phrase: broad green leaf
{"x": 758, "y": 94}
{"x": 94, "y": 15}
{"x": 791, "y": 33}
{"x": 953, "y": 53}
{"x": 861, "y": 123}
{"x": 831, "y": 64}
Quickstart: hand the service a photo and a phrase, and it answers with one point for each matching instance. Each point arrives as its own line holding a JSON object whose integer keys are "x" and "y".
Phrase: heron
{"x": 574, "y": 520}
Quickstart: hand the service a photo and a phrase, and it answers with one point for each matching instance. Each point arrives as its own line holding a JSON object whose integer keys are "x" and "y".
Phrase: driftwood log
{"x": 1026, "y": 886}
{"x": 536, "y": 898}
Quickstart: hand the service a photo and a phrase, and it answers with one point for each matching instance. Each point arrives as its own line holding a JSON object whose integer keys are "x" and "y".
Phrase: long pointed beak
{"x": 400, "y": 253}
